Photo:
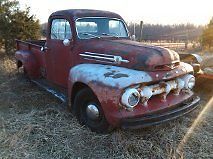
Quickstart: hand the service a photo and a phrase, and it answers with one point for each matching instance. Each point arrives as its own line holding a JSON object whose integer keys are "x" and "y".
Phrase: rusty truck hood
{"x": 140, "y": 56}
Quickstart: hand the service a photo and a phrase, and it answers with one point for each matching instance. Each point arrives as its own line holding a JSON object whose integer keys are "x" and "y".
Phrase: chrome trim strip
{"x": 125, "y": 61}
{"x": 103, "y": 57}
{"x": 92, "y": 53}
{"x": 98, "y": 57}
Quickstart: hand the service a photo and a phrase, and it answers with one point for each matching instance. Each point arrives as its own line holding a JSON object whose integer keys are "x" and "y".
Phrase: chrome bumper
{"x": 162, "y": 116}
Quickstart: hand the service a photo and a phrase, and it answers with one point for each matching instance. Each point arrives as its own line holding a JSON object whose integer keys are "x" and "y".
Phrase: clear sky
{"x": 150, "y": 11}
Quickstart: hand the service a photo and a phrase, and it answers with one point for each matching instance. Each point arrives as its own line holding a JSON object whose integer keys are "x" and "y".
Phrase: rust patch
{"x": 108, "y": 74}
{"x": 113, "y": 75}
{"x": 119, "y": 75}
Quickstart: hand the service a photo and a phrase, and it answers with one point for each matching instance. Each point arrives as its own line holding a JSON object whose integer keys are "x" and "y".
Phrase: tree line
{"x": 172, "y": 33}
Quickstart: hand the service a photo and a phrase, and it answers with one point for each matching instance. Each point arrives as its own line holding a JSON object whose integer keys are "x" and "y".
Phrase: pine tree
{"x": 16, "y": 24}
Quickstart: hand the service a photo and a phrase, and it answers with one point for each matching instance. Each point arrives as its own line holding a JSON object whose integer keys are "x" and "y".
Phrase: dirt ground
{"x": 33, "y": 124}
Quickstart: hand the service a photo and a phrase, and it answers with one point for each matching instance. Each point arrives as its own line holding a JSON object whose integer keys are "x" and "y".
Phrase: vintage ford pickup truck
{"x": 89, "y": 61}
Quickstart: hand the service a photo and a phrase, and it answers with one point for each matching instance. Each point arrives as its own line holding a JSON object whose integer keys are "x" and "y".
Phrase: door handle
{"x": 45, "y": 48}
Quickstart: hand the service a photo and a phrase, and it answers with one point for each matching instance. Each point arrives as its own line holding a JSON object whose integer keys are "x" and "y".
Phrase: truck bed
{"x": 33, "y": 47}
{"x": 27, "y": 45}
{"x": 37, "y": 42}
{"x": 28, "y": 49}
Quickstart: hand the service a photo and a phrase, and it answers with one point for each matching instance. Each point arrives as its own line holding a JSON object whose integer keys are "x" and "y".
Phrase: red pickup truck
{"x": 108, "y": 80}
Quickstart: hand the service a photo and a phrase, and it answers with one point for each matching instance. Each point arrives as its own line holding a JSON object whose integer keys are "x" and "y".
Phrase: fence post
{"x": 141, "y": 30}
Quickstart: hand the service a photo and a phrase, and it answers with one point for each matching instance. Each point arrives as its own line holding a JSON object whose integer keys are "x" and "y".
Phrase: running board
{"x": 51, "y": 90}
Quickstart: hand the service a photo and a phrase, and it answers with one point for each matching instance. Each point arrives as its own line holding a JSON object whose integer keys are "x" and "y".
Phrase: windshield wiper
{"x": 94, "y": 36}
{"x": 110, "y": 35}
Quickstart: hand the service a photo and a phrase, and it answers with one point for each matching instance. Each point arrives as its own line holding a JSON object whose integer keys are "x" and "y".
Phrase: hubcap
{"x": 92, "y": 111}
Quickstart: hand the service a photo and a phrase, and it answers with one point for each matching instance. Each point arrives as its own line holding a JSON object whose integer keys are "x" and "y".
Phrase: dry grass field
{"x": 33, "y": 124}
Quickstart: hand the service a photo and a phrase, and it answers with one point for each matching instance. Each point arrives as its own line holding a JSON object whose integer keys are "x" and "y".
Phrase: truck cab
{"x": 108, "y": 80}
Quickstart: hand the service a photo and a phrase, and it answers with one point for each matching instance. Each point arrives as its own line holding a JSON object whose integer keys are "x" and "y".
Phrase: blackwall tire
{"x": 85, "y": 99}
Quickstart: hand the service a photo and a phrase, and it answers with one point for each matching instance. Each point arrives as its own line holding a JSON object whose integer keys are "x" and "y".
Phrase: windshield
{"x": 98, "y": 27}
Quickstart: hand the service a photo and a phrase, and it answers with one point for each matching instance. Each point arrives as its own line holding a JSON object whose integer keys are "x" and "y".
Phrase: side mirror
{"x": 66, "y": 42}
{"x": 133, "y": 37}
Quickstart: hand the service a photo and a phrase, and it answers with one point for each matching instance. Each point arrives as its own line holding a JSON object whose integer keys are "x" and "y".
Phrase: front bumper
{"x": 161, "y": 116}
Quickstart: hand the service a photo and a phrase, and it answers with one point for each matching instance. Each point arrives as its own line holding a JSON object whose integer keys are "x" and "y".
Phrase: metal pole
{"x": 141, "y": 30}
{"x": 134, "y": 29}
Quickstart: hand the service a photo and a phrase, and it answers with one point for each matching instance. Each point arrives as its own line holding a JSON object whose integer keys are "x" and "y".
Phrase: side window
{"x": 60, "y": 29}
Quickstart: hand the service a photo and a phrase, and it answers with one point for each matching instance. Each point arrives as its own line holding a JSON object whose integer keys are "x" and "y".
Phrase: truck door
{"x": 58, "y": 58}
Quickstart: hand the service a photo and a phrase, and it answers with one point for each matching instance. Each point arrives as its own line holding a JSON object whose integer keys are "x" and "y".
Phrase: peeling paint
{"x": 119, "y": 75}
{"x": 112, "y": 76}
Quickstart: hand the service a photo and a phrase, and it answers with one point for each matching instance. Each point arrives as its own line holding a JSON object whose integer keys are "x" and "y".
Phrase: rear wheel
{"x": 21, "y": 69}
{"x": 88, "y": 111}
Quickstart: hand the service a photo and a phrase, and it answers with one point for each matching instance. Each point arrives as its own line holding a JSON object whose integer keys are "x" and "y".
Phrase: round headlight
{"x": 130, "y": 98}
{"x": 180, "y": 83}
{"x": 189, "y": 81}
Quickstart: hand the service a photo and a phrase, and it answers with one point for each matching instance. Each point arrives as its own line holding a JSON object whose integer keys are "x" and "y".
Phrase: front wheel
{"x": 88, "y": 111}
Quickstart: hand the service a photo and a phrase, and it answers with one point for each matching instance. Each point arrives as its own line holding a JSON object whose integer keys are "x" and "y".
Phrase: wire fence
{"x": 180, "y": 46}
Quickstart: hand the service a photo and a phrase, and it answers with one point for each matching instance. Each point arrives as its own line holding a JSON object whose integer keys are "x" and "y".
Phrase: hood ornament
{"x": 119, "y": 60}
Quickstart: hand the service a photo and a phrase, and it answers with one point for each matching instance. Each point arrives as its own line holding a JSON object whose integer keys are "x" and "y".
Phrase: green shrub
{"x": 207, "y": 36}
{"x": 16, "y": 24}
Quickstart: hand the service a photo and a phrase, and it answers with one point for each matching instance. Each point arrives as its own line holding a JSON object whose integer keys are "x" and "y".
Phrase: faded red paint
{"x": 58, "y": 59}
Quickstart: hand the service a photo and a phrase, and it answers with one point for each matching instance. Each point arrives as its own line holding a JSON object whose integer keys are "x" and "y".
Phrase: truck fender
{"x": 106, "y": 81}
{"x": 191, "y": 58}
{"x": 107, "y": 75}
{"x": 28, "y": 61}
{"x": 198, "y": 58}
{"x": 194, "y": 60}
